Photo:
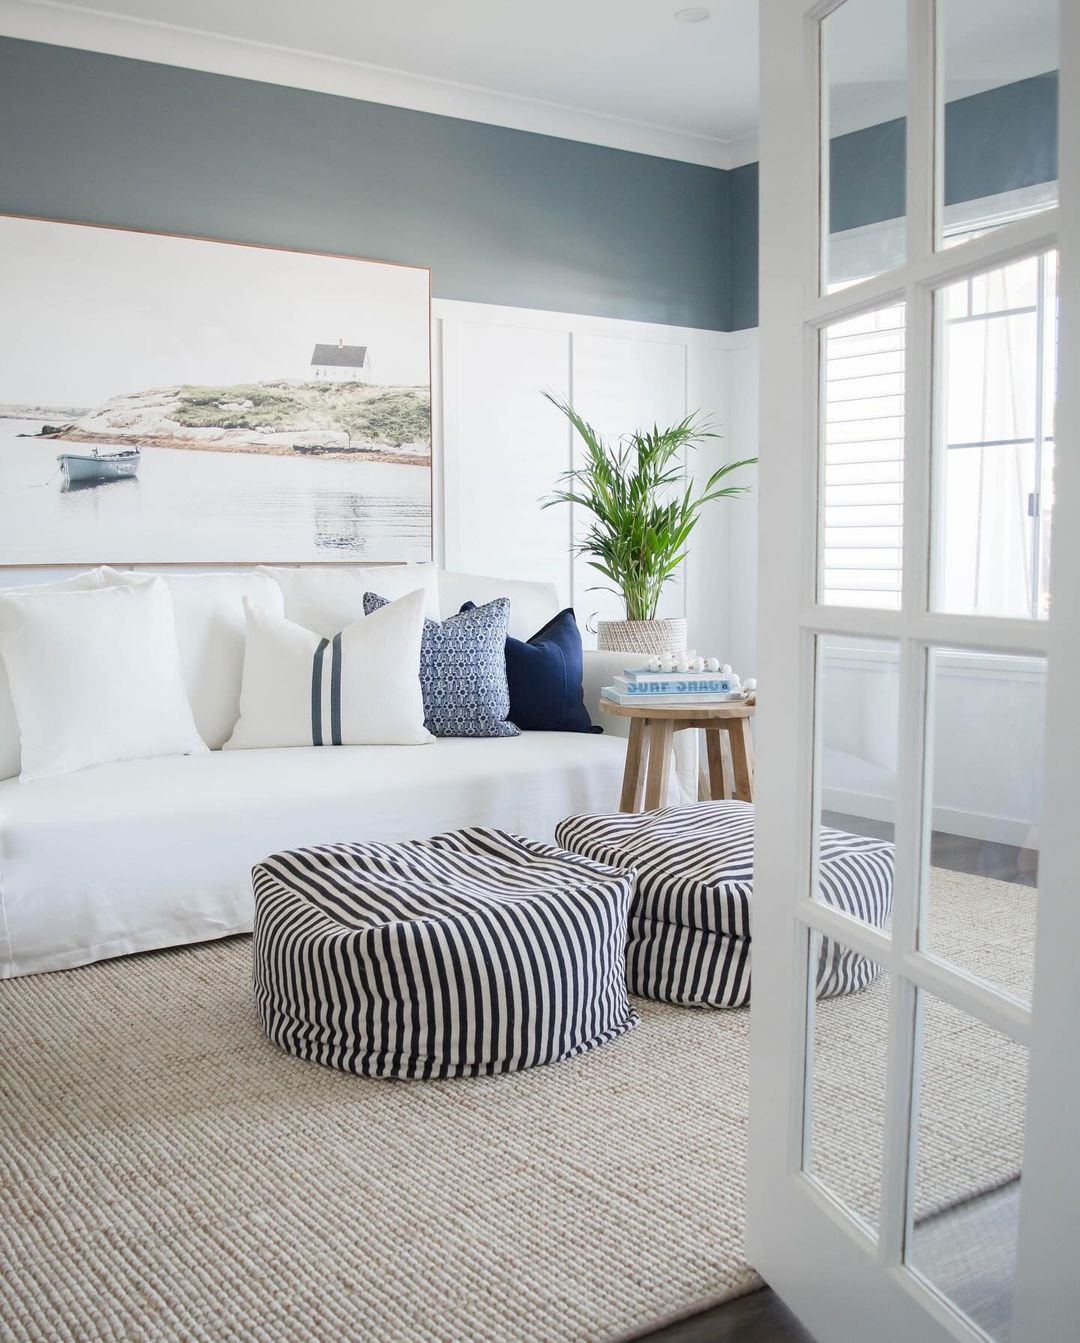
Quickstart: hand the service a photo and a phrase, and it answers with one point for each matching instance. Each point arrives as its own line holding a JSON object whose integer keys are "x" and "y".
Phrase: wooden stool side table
{"x": 648, "y": 751}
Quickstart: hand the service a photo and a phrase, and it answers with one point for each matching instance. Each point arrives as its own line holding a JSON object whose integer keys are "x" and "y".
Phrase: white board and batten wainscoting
{"x": 503, "y": 445}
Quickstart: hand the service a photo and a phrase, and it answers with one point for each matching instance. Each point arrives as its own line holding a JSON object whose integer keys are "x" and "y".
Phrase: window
{"x": 998, "y": 380}
{"x": 864, "y": 459}
{"x": 999, "y": 341}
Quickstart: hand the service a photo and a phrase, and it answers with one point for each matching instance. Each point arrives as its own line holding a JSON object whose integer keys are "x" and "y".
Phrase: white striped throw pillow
{"x": 359, "y": 687}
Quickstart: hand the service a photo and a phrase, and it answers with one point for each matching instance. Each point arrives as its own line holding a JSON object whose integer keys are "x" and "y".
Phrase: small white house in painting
{"x": 343, "y": 363}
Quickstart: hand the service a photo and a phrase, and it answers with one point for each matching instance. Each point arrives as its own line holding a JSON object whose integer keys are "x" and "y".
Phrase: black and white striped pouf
{"x": 473, "y": 952}
{"x": 689, "y": 938}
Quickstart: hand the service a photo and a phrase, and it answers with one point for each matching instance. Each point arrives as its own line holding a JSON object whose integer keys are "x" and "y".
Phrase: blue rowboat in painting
{"x": 94, "y": 468}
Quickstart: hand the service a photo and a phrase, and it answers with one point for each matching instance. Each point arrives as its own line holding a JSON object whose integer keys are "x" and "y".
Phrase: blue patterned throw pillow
{"x": 463, "y": 671}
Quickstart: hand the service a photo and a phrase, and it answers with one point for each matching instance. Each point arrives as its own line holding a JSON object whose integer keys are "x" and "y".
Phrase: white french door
{"x": 914, "y": 1169}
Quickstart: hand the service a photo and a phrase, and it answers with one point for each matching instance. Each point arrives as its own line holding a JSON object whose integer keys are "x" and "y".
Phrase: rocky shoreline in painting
{"x": 340, "y": 421}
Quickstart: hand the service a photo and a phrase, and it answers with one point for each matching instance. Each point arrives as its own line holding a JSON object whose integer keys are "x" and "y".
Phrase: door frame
{"x": 838, "y": 1280}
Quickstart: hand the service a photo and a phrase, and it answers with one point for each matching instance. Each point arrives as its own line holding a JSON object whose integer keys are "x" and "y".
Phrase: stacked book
{"x": 669, "y": 687}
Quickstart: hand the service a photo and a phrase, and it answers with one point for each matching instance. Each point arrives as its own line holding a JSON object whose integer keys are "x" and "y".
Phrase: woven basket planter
{"x": 641, "y": 636}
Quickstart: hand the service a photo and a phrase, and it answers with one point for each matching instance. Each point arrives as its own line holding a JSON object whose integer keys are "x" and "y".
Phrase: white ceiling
{"x": 621, "y": 72}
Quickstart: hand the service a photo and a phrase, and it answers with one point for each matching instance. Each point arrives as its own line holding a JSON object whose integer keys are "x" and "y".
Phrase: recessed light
{"x": 692, "y": 15}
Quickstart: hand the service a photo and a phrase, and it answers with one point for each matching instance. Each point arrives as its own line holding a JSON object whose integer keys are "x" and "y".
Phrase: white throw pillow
{"x": 358, "y": 686}
{"x": 210, "y": 632}
{"x": 326, "y": 600}
{"x": 9, "y": 725}
{"x": 95, "y": 677}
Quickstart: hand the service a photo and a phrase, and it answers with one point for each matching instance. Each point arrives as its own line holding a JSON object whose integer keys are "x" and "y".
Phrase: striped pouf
{"x": 689, "y": 938}
{"x": 473, "y": 952}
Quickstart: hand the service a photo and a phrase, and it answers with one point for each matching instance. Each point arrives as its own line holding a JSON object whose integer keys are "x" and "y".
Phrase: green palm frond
{"x": 643, "y": 506}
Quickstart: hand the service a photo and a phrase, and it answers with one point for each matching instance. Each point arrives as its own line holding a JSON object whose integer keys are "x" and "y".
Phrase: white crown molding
{"x": 60, "y": 24}
{"x": 742, "y": 151}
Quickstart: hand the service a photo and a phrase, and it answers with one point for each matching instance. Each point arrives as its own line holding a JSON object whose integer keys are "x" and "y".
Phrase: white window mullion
{"x": 908, "y": 883}
{"x": 998, "y": 247}
{"x": 898, "y": 1165}
{"x": 923, "y": 173}
{"x": 952, "y": 984}
{"x": 1039, "y": 432}
{"x": 991, "y": 634}
{"x": 911, "y": 806}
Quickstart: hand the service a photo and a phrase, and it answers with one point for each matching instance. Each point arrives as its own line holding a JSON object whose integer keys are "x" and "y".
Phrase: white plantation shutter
{"x": 864, "y": 466}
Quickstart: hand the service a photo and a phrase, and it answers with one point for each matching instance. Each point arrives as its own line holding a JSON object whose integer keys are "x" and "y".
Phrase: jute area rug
{"x": 168, "y": 1174}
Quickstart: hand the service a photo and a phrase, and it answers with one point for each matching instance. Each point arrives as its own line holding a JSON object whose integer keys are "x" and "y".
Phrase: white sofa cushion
{"x": 210, "y": 633}
{"x": 95, "y": 677}
{"x": 360, "y": 687}
{"x": 155, "y": 853}
{"x": 10, "y": 754}
{"x": 326, "y": 600}
{"x": 531, "y": 604}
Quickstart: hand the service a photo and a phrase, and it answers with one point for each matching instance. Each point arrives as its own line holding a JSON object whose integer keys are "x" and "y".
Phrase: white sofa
{"x": 152, "y": 853}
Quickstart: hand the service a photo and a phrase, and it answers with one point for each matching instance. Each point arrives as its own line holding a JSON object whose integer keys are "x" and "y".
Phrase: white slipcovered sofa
{"x": 152, "y": 853}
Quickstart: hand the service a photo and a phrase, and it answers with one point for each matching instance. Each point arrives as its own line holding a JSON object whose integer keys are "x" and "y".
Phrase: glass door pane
{"x": 997, "y": 362}
{"x": 1000, "y": 120}
{"x": 969, "y": 1140}
{"x": 855, "y": 767}
{"x": 848, "y": 1035}
{"x": 863, "y": 114}
{"x": 862, "y": 493}
{"x": 985, "y": 784}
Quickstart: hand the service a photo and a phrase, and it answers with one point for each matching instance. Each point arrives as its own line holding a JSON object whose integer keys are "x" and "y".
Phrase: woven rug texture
{"x": 166, "y": 1173}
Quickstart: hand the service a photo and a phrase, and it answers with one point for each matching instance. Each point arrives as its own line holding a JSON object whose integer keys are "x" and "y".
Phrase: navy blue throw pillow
{"x": 545, "y": 674}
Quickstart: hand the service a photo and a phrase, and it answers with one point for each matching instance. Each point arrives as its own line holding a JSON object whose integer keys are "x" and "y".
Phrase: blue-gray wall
{"x": 743, "y": 250}
{"x": 501, "y": 216}
{"x": 995, "y": 141}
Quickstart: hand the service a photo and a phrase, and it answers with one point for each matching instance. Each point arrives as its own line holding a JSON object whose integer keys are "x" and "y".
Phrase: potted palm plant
{"x": 644, "y": 510}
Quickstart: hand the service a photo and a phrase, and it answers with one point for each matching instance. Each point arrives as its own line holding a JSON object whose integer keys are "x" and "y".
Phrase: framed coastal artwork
{"x": 176, "y": 400}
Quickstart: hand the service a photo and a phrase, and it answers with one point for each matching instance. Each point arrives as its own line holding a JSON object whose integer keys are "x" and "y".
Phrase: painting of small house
{"x": 208, "y": 426}
{"x": 343, "y": 363}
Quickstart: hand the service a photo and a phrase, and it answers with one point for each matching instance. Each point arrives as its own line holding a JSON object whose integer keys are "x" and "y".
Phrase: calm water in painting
{"x": 214, "y": 507}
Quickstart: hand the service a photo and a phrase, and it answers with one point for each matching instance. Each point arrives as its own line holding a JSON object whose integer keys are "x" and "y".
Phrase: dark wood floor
{"x": 966, "y": 1252}
{"x": 955, "y": 853}
{"x": 760, "y": 1317}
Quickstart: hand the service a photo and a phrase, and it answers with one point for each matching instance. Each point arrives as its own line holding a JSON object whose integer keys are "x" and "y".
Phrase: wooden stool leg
{"x": 729, "y": 772}
{"x": 661, "y": 734}
{"x": 634, "y": 770}
{"x": 639, "y": 793}
{"x": 720, "y": 783}
{"x": 742, "y": 759}
{"x": 704, "y": 780}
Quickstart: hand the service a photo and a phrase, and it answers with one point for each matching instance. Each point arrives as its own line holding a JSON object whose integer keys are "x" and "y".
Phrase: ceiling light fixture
{"x": 692, "y": 15}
